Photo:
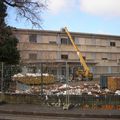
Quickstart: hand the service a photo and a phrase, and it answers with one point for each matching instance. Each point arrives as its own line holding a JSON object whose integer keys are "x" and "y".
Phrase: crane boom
{"x": 82, "y": 61}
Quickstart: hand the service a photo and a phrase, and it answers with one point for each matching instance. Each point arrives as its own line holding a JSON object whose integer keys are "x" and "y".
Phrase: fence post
{"x": 41, "y": 78}
{"x": 67, "y": 83}
{"x": 2, "y": 64}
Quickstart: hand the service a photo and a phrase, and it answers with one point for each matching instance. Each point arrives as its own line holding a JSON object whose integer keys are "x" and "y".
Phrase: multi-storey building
{"x": 54, "y": 49}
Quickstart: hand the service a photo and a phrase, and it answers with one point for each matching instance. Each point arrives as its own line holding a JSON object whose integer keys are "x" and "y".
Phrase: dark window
{"x": 65, "y": 41}
{"x": 112, "y": 44}
{"x": 33, "y": 38}
{"x": 52, "y": 42}
{"x": 65, "y": 57}
{"x": 33, "y": 56}
{"x": 104, "y": 59}
{"x": 84, "y": 57}
{"x": 118, "y": 61}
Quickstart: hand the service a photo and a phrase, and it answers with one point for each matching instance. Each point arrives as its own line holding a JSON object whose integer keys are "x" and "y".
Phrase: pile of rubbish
{"x": 64, "y": 89}
{"x": 79, "y": 90}
{"x": 34, "y": 78}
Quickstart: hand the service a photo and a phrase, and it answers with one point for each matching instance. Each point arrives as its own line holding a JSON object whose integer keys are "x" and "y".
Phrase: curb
{"x": 61, "y": 114}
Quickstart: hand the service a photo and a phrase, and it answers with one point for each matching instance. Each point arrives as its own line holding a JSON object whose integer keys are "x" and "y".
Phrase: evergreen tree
{"x": 8, "y": 43}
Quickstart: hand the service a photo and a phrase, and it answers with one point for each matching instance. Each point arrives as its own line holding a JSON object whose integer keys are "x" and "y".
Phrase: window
{"x": 104, "y": 59}
{"x": 84, "y": 57}
{"x": 112, "y": 44}
{"x": 65, "y": 41}
{"x": 33, "y": 38}
{"x": 52, "y": 42}
{"x": 33, "y": 56}
{"x": 118, "y": 61}
{"x": 65, "y": 57}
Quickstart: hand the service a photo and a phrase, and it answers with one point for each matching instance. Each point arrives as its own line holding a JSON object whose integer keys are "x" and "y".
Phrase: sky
{"x": 86, "y": 16}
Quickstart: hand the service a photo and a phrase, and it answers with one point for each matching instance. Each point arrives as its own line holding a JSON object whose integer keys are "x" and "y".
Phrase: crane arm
{"x": 82, "y": 61}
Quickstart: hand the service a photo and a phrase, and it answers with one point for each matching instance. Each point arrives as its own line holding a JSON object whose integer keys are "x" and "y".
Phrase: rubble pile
{"x": 34, "y": 78}
{"x": 69, "y": 89}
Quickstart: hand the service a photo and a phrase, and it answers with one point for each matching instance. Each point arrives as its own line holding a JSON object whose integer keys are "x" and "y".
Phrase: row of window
{"x": 65, "y": 41}
{"x": 33, "y": 56}
{"x": 98, "y": 70}
{"x": 33, "y": 39}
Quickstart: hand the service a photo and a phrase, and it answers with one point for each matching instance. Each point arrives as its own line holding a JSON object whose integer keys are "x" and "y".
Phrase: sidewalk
{"x": 28, "y": 109}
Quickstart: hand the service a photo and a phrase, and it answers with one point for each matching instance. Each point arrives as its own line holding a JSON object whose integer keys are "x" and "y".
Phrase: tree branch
{"x": 28, "y": 9}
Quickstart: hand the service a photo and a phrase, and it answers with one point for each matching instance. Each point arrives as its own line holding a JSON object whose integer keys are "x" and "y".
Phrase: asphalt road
{"x": 37, "y": 112}
{"x": 31, "y": 117}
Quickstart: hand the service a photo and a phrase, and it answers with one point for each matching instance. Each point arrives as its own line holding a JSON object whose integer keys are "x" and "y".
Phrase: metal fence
{"x": 60, "y": 71}
{"x": 62, "y": 74}
{"x": 80, "y": 101}
{"x": 6, "y": 73}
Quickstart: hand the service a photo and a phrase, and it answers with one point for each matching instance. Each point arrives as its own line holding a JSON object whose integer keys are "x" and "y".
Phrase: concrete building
{"x": 54, "y": 49}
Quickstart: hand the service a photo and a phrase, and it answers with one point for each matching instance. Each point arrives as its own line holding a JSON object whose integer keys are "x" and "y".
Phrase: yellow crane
{"x": 85, "y": 74}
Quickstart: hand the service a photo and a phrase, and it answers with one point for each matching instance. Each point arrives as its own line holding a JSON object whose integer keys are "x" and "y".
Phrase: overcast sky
{"x": 89, "y": 16}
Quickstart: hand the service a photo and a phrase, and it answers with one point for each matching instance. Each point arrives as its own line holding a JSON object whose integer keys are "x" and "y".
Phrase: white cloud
{"x": 107, "y": 8}
{"x": 56, "y": 6}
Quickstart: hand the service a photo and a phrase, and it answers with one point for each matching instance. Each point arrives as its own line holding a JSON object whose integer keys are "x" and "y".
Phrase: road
{"x": 37, "y": 112}
{"x": 32, "y": 117}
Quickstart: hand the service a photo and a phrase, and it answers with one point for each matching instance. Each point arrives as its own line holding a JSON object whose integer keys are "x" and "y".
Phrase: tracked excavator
{"x": 84, "y": 74}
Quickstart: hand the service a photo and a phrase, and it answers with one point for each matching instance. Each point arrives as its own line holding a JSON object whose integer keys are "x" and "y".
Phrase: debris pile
{"x": 68, "y": 89}
{"x": 34, "y": 78}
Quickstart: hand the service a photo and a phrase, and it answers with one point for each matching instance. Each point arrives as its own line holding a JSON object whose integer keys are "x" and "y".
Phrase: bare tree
{"x": 28, "y": 9}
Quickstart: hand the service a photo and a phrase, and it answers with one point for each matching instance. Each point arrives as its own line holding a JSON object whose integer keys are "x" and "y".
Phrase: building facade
{"x": 54, "y": 50}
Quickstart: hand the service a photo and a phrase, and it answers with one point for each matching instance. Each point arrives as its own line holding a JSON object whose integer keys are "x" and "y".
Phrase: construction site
{"x": 65, "y": 69}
